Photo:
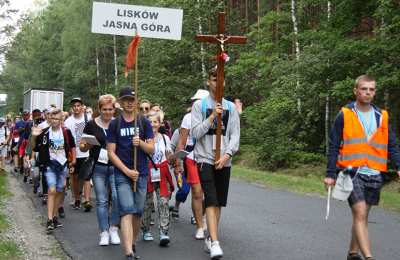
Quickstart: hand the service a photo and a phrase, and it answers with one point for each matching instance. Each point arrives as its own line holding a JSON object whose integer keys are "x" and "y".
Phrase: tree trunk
{"x": 328, "y": 92}
{"x": 297, "y": 50}
{"x": 258, "y": 15}
{"x": 202, "y": 52}
{"x": 98, "y": 69}
{"x": 115, "y": 61}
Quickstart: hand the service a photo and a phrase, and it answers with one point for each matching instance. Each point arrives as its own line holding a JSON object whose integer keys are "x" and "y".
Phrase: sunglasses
{"x": 144, "y": 108}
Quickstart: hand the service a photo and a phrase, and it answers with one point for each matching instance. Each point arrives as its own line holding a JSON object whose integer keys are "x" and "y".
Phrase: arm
{"x": 393, "y": 150}
{"x": 335, "y": 141}
{"x": 111, "y": 149}
{"x": 147, "y": 146}
{"x": 234, "y": 137}
{"x": 234, "y": 140}
{"x": 200, "y": 127}
{"x": 183, "y": 135}
{"x": 84, "y": 146}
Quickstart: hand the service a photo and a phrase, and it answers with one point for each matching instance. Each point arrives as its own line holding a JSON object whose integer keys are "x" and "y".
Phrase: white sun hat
{"x": 200, "y": 94}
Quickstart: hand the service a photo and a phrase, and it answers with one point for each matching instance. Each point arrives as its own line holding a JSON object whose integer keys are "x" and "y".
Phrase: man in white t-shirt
{"x": 3, "y": 142}
{"x": 76, "y": 123}
{"x": 187, "y": 142}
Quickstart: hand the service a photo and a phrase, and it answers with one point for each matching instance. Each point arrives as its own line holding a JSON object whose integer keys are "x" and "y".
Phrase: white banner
{"x": 150, "y": 22}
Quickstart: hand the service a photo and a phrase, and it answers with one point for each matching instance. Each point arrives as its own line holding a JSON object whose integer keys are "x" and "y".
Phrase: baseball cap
{"x": 76, "y": 99}
{"x": 200, "y": 94}
{"x": 2, "y": 120}
{"x": 26, "y": 112}
{"x": 126, "y": 92}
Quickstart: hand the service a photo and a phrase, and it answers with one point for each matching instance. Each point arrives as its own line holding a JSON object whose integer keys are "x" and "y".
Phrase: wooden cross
{"x": 221, "y": 40}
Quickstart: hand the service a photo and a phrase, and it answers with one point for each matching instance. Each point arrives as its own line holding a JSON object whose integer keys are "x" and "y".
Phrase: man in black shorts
{"x": 214, "y": 176}
{"x": 361, "y": 140}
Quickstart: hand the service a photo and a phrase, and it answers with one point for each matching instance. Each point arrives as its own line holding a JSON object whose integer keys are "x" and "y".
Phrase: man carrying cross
{"x": 214, "y": 175}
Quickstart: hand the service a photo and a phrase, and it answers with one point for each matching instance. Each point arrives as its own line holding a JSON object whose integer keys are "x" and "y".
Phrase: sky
{"x": 24, "y": 6}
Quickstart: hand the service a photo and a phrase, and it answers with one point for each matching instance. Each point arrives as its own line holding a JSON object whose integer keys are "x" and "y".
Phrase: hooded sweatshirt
{"x": 203, "y": 131}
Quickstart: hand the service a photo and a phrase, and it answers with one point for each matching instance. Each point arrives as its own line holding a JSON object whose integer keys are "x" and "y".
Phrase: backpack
{"x": 204, "y": 106}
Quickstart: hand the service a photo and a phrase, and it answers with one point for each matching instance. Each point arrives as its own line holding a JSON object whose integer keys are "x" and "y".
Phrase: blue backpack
{"x": 225, "y": 103}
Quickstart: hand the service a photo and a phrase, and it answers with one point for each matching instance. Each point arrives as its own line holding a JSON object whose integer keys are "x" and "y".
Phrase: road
{"x": 259, "y": 223}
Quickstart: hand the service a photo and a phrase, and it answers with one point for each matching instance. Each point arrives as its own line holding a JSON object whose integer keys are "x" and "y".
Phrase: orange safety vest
{"x": 357, "y": 150}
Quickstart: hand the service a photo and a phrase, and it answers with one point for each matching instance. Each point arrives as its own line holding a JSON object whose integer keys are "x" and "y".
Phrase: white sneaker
{"x": 104, "y": 239}
{"x": 216, "y": 251}
{"x": 114, "y": 237}
{"x": 199, "y": 234}
{"x": 207, "y": 244}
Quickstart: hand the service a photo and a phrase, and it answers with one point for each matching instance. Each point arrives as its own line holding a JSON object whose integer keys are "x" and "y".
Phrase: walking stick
{"x": 136, "y": 113}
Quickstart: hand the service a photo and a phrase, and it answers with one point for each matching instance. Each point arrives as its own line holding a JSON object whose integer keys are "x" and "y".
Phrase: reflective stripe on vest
{"x": 357, "y": 150}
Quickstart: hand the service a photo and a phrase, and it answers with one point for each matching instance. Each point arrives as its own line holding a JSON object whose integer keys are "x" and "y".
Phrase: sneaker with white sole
{"x": 114, "y": 237}
{"x": 104, "y": 239}
{"x": 147, "y": 236}
{"x": 207, "y": 244}
{"x": 164, "y": 239}
{"x": 199, "y": 234}
{"x": 215, "y": 250}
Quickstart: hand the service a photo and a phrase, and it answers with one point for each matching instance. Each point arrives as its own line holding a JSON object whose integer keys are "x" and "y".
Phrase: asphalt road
{"x": 259, "y": 223}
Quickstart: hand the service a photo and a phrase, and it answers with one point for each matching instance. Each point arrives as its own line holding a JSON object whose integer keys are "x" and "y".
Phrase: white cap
{"x": 2, "y": 120}
{"x": 200, "y": 94}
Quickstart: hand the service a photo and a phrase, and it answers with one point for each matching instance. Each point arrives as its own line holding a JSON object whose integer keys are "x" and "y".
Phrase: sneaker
{"x": 175, "y": 213}
{"x": 77, "y": 205}
{"x": 57, "y": 224}
{"x": 44, "y": 199}
{"x": 49, "y": 226}
{"x": 353, "y": 256}
{"x": 207, "y": 244}
{"x": 164, "y": 239}
{"x": 147, "y": 236}
{"x": 61, "y": 212}
{"x": 215, "y": 250}
{"x": 193, "y": 220}
{"x": 199, "y": 234}
{"x": 114, "y": 237}
{"x": 87, "y": 206}
{"x": 104, "y": 239}
{"x": 35, "y": 189}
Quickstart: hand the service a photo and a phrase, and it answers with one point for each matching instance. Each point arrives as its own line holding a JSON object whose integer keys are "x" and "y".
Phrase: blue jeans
{"x": 103, "y": 182}
{"x": 131, "y": 202}
{"x": 56, "y": 179}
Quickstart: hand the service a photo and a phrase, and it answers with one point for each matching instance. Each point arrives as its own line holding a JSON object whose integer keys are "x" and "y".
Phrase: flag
{"x": 130, "y": 58}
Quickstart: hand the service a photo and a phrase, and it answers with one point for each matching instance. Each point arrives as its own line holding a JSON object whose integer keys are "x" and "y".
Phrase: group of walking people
{"x": 135, "y": 163}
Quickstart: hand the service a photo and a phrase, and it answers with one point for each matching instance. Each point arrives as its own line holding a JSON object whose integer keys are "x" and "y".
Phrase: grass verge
{"x": 8, "y": 249}
{"x": 308, "y": 180}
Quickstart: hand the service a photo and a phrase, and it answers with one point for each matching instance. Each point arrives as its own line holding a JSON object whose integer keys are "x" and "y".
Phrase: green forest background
{"x": 293, "y": 76}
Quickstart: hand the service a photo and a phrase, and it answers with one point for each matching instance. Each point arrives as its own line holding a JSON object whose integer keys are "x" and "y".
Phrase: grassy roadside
{"x": 308, "y": 180}
{"x": 8, "y": 249}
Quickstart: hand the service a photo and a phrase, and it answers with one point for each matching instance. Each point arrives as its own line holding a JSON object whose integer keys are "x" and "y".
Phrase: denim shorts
{"x": 130, "y": 202}
{"x": 56, "y": 179}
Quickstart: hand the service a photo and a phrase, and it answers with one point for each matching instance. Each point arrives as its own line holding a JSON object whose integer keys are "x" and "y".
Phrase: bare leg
{"x": 51, "y": 197}
{"x": 136, "y": 221}
{"x": 197, "y": 204}
{"x": 75, "y": 186}
{"x": 360, "y": 213}
{"x": 87, "y": 189}
{"x": 212, "y": 215}
{"x": 127, "y": 233}
{"x": 58, "y": 199}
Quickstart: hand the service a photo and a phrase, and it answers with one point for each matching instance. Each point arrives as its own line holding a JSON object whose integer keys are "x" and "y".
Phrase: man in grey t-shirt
{"x": 214, "y": 176}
